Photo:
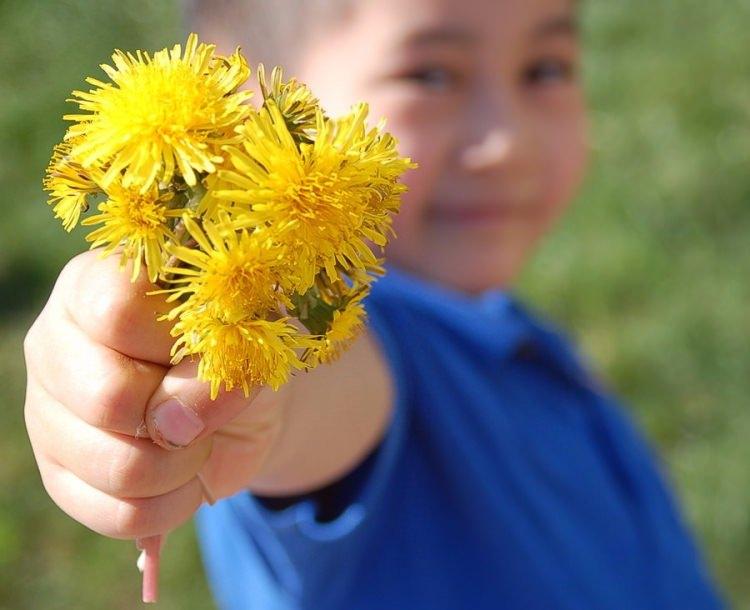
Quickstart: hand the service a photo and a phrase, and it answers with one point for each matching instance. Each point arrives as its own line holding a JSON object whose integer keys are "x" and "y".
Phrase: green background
{"x": 648, "y": 271}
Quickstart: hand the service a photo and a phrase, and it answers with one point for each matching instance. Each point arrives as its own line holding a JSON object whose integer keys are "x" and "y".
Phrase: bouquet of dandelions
{"x": 254, "y": 220}
{"x": 247, "y": 217}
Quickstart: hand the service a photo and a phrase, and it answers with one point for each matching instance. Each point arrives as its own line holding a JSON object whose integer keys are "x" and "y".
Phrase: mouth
{"x": 475, "y": 213}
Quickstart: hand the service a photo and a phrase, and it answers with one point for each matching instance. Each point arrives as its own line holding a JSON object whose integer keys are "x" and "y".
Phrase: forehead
{"x": 431, "y": 22}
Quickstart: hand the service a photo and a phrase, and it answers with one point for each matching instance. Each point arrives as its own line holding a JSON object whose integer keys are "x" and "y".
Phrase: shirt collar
{"x": 493, "y": 323}
{"x": 488, "y": 323}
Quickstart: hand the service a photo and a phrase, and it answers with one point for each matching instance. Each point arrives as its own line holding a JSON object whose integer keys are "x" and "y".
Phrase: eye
{"x": 549, "y": 71}
{"x": 434, "y": 78}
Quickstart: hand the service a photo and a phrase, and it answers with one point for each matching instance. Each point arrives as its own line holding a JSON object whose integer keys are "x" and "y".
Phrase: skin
{"x": 483, "y": 94}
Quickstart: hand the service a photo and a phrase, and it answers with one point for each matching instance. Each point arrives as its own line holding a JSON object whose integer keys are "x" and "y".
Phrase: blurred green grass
{"x": 648, "y": 271}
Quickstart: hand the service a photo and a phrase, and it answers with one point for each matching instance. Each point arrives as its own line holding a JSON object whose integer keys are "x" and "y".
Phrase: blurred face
{"x": 485, "y": 96}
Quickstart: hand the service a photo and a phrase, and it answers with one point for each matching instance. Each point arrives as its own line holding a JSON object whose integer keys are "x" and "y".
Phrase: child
{"x": 459, "y": 455}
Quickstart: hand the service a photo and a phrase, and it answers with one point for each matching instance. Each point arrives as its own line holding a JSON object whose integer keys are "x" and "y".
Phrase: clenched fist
{"x": 119, "y": 435}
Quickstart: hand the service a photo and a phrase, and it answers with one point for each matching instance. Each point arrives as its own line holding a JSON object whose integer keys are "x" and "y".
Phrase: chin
{"x": 470, "y": 266}
{"x": 477, "y": 283}
{"x": 474, "y": 277}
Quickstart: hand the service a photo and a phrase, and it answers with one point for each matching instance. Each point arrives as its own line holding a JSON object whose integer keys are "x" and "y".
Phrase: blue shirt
{"x": 507, "y": 479}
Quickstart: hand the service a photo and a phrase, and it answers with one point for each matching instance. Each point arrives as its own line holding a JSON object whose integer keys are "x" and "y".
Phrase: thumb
{"x": 181, "y": 412}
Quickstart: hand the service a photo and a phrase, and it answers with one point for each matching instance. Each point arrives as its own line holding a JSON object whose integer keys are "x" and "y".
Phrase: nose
{"x": 494, "y": 135}
{"x": 493, "y": 149}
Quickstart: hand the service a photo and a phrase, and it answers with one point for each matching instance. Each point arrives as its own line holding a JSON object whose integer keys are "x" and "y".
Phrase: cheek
{"x": 564, "y": 166}
{"x": 426, "y": 147}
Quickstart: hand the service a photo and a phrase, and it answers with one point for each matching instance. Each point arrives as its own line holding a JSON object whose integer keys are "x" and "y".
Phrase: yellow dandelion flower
{"x": 313, "y": 197}
{"x": 345, "y": 326}
{"x": 208, "y": 206}
{"x": 69, "y": 185}
{"x": 375, "y": 154}
{"x": 137, "y": 221}
{"x": 243, "y": 354}
{"x": 333, "y": 314}
{"x": 294, "y": 100}
{"x": 172, "y": 110}
{"x": 235, "y": 273}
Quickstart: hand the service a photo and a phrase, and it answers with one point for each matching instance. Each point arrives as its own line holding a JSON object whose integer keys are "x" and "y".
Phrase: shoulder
{"x": 559, "y": 348}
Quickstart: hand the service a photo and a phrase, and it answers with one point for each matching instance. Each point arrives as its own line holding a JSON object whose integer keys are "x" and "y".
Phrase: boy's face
{"x": 485, "y": 96}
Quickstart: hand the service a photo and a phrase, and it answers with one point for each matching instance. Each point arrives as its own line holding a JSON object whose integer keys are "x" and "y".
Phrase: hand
{"x": 99, "y": 377}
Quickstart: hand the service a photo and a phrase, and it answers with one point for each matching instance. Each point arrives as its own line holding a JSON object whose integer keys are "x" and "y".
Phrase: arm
{"x": 333, "y": 416}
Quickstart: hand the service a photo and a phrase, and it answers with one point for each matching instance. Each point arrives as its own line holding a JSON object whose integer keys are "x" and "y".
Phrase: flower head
{"x": 69, "y": 185}
{"x": 244, "y": 354}
{"x": 294, "y": 100}
{"x": 161, "y": 114}
{"x": 373, "y": 151}
{"x": 346, "y": 324}
{"x": 139, "y": 222}
{"x": 235, "y": 274}
{"x": 333, "y": 314}
{"x": 316, "y": 199}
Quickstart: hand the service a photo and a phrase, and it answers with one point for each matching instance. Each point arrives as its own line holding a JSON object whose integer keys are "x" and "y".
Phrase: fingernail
{"x": 177, "y": 424}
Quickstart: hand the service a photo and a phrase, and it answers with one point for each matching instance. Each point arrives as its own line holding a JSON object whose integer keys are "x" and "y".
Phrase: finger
{"x": 98, "y": 384}
{"x": 232, "y": 465}
{"x": 181, "y": 411}
{"x": 124, "y": 518}
{"x": 100, "y": 298}
{"x": 115, "y": 464}
{"x": 161, "y": 537}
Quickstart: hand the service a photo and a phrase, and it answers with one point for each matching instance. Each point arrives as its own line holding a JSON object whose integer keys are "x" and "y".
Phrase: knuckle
{"x": 29, "y": 342}
{"x": 48, "y": 476}
{"x": 125, "y": 472}
{"x": 31, "y": 410}
{"x": 54, "y": 480}
{"x": 99, "y": 296}
{"x": 106, "y": 309}
{"x": 114, "y": 398}
{"x": 109, "y": 403}
{"x": 73, "y": 267}
{"x": 139, "y": 517}
{"x": 32, "y": 340}
{"x": 37, "y": 448}
{"x": 106, "y": 515}
{"x": 27, "y": 418}
{"x": 70, "y": 279}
